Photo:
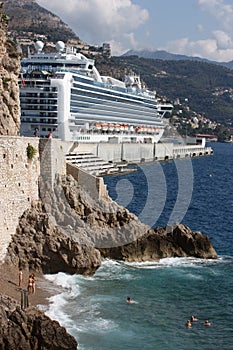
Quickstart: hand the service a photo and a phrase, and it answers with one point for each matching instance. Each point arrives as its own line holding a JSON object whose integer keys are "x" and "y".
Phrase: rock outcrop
{"x": 41, "y": 246}
{"x": 9, "y": 89}
{"x": 64, "y": 230}
{"x": 30, "y": 329}
{"x": 179, "y": 241}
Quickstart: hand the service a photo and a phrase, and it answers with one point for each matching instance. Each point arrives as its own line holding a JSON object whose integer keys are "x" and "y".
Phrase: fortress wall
{"x": 95, "y": 186}
{"x": 18, "y": 185}
{"x": 52, "y": 158}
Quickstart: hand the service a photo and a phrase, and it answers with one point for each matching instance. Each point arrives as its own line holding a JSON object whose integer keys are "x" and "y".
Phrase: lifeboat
{"x": 131, "y": 128}
{"x": 117, "y": 127}
{"x": 104, "y": 127}
{"x": 111, "y": 127}
{"x": 98, "y": 126}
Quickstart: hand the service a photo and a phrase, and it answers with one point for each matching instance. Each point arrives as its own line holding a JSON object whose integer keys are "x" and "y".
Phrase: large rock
{"x": 179, "y": 241}
{"x": 30, "y": 329}
{"x": 41, "y": 246}
{"x": 104, "y": 222}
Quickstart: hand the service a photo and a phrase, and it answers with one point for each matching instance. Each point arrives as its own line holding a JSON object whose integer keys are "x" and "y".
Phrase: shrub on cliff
{"x": 31, "y": 151}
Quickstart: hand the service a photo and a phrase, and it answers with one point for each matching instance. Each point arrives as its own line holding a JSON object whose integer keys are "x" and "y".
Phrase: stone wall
{"x": 93, "y": 185}
{"x": 18, "y": 185}
{"x": 52, "y": 158}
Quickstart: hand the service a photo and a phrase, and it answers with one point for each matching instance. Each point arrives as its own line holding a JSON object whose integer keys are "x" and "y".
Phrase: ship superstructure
{"x": 63, "y": 93}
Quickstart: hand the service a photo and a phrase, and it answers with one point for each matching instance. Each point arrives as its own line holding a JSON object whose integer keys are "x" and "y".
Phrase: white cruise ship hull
{"x": 63, "y": 95}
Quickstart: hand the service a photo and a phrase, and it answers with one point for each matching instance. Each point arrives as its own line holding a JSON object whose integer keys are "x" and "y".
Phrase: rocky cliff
{"x": 41, "y": 246}
{"x": 67, "y": 230}
{"x": 9, "y": 90}
{"x": 30, "y": 329}
{"x": 29, "y": 21}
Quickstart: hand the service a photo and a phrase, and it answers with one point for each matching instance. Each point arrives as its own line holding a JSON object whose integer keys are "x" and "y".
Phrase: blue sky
{"x": 201, "y": 28}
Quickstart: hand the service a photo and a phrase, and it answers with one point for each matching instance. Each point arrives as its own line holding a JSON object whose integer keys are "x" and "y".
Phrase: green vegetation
{"x": 31, "y": 151}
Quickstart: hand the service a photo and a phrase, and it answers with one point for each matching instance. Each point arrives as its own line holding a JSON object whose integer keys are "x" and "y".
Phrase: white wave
{"x": 226, "y": 258}
{"x": 65, "y": 282}
{"x": 192, "y": 276}
{"x": 55, "y": 311}
{"x": 67, "y": 289}
{"x": 169, "y": 262}
{"x": 113, "y": 270}
{"x": 96, "y": 325}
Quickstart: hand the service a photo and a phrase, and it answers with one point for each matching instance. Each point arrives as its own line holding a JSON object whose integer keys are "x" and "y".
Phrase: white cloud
{"x": 219, "y": 46}
{"x": 224, "y": 41}
{"x": 215, "y": 49}
{"x": 117, "y": 48}
{"x": 116, "y": 22}
{"x": 220, "y": 11}
{"x": 97, "y": 21}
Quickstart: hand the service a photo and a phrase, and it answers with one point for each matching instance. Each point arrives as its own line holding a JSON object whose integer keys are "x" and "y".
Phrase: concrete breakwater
{"x": 142, "y": 152}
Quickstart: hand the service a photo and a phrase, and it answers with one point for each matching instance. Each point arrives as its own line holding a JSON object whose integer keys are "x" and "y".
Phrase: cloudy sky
{"x": 201, "y": 28}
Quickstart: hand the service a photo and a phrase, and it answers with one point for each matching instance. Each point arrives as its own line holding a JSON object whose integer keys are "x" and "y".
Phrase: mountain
{"x": 205, "y": 88}
{"x": 164, "y": 55}
{"x": 29, "y": 22}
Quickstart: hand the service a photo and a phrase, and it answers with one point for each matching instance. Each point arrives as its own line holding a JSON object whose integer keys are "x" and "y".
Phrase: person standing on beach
{"x": 34, "y": 283}
{"x": 20, "y": 277}
{"x": 30, "y": 284}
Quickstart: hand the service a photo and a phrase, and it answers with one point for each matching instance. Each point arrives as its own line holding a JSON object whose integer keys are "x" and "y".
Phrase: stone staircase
{"x": 93, "y": 164}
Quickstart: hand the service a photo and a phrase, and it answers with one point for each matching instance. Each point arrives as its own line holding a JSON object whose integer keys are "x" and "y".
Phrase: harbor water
{"x": 198, "y": 193}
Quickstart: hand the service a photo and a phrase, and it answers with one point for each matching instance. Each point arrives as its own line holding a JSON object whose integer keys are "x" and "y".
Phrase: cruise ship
{"x": 63, "y": 95}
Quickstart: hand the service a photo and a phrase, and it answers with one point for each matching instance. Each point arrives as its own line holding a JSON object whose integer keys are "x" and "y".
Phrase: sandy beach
{"x": 10, "y": 286}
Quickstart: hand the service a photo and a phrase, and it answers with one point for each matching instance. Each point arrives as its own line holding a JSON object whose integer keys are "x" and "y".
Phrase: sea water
{"x": 198, "y": 193}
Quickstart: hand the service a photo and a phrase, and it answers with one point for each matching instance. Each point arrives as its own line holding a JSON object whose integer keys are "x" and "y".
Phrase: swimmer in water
{"x": 130, "y": 301}
{"x": 188, "y": 324}
{"x": 193, "y": 319}
{"x": 207, "y": 323}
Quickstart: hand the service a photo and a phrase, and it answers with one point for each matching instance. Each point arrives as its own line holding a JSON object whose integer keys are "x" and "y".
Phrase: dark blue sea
{"x": 198, "y": 193}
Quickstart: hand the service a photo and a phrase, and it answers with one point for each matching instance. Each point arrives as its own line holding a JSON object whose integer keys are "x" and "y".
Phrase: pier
{"x": 105, "y": 158}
